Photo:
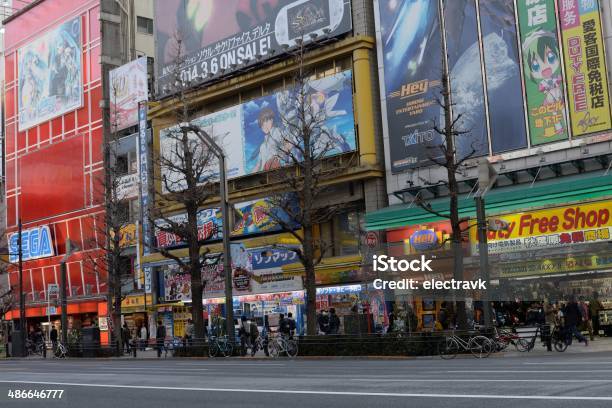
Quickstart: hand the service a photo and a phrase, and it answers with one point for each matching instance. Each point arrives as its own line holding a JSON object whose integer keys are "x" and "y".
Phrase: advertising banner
{"x": 585, "y": 67}
{"x": 128, "y": 87}
{"x": 251, "y": 133}
{"x": 467, "y": 86}
{"x": 544, "y": 84}
{"x": 410, "y": 52}
{"x": 550, "y": 228}
{"x": 218, "y": 37}
{"x": 254, "y": 271}
{"x": 50, "y": 74}
{"x": 255, "y": 219}
{"x": 502, "y": 68}
{"x": 143, "y": 172}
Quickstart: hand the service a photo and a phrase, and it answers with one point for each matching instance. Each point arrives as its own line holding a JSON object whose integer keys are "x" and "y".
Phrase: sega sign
{"x": 35, "y": 243}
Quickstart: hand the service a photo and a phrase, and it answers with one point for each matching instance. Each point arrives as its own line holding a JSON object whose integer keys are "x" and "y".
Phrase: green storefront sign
{"x": 544, "y": 84}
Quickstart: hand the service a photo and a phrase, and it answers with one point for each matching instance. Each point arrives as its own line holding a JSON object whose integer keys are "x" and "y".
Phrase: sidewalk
{"x": 600, "y": 344}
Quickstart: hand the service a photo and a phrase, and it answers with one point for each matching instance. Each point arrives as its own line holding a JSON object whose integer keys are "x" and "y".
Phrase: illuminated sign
{"x": 550, "y": 228}
{"x": 35, "y": 243}
{"x": 424, "y": 239}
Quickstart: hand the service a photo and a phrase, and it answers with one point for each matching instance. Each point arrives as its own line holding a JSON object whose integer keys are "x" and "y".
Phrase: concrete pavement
{"x": 530, "y": 380}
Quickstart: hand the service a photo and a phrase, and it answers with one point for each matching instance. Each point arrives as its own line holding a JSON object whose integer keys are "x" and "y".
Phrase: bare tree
{"x": 188, "y": 178}
{"x": 7, "y": 302}
{"x": 445, "y": 155}
{"x": 304, "y": 144}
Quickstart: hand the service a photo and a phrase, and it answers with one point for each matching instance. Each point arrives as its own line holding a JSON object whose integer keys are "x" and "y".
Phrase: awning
{"x": 586, "y": 187}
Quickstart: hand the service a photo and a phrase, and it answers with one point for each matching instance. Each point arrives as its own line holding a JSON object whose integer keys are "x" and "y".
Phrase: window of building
{"x": 121, "y": 165}
{"x": 347, "y": 229}
{"x": 144, "y": 25}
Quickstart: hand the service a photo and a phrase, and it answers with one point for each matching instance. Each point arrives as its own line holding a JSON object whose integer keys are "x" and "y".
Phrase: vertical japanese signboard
{"x": 544, "y": 85}
{"x": 143, "y": 157}
{"x": 585, "y": 66}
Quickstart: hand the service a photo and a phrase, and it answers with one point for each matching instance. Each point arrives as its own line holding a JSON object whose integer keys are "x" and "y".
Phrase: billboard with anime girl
{"x": 544, "y": 85}
{"x": 50, "y": 75}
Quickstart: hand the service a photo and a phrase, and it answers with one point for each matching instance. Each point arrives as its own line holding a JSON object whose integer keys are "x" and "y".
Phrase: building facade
{"x": 530, "y": 86}
{"x": 239, "y": 60}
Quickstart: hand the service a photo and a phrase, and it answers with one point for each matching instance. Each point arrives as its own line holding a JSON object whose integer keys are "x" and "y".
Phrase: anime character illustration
{"x": 544, "y": 69}
{"x": 268, "y": 156}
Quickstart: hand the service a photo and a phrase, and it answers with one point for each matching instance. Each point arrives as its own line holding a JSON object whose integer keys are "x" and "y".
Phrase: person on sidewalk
{"x": 595, "y": 307}
{"x": 126, "y": 337}
{"x": 587, "y": 324}
{"x": 143, "y": 337}
{"x": 244, "y": 330}
{"x": 573, "y": 317}
{"x": 53, "y": 337}
{"x": 550, "y": 315}
{"x": 189, "y": 330}
{"x": 160, "y": 336}
{"x": 292, "y": 324}
{"x": 334, "y": 322}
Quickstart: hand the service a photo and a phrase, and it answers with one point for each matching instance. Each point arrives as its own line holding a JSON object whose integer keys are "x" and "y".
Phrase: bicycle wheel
{"x": 480, "y": 346}
{"x": 292, "y": 348}
{"x": 227, "y": 350}
{"x": 448, "y": 348}
{"x": 274, "y": 348}
{"x": 523, "y": 345}
{"x": 213, "y": 350}
{"x": 560, "y": 345}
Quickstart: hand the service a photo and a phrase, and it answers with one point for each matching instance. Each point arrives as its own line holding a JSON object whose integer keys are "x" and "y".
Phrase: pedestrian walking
{"x": 292, "y": 324}
{"x": 587, "y": 323}
{"x": 550, "y": 314}
{"x": 189, "y": 330}
{"x": 143, "y": 337}
{"x": 126, "y": 337}
{"x": 334, "y": 322}
{"x": 244, "y": 330}
{"x": 595, "y": 306}
{"x": 53, "y": 337}
{"x": 573, "y": 317}
{"x": 160, "y": 336}
{"x": 323, "y": 322}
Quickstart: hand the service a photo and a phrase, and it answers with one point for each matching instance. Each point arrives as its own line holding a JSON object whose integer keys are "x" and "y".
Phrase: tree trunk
{"x": 311, "y": 289}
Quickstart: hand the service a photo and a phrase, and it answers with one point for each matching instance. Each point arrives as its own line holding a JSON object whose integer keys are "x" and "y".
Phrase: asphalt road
{"x": 555, "y": 380}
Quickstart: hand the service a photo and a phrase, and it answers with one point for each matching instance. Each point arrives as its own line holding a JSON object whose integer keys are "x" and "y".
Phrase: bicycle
{"x": 60, "y": 350}
{"x": 557, "y": 339}
{"x": 261, "y": 343}
{"x": 38, "y": 348}
{"x": 283, "y": 344}
{"x": 503, "y": 338}
{"x": 220, "y": 346}
{"x": 480, "y": 346}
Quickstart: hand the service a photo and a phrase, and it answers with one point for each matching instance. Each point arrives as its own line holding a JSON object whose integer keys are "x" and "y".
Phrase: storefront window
{"x": 346, "y": 232}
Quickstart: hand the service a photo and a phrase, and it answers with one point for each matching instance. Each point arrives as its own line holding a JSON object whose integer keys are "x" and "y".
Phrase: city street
{"x": 555, "y": 380}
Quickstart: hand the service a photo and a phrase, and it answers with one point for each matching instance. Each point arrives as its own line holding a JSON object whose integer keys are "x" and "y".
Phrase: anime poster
{"x": 222, "y": 36}
{"x": 502, "y": 67}
{"x": 268, "y": 136}
{"x": 225, "y": 127}
{"x": 585, "y": 67}
{"x": 466, "y": 79}
{"x": 259, "y": 216}
{"x": 177, "y": 286}
{"x": 410, "y": 53}
{"x": 544, "y": 85}
{"x": 128, "y": 87}
{"x": 50, "y": 77}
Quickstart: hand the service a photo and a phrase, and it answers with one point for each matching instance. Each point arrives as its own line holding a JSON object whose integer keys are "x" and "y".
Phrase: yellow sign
{"x": 553, "y": 265}
{"x": 134, "y": 301}
{"x": 585, "y": 66}
{"x": 550, "y": 228}
{"x": 128, "y": 236}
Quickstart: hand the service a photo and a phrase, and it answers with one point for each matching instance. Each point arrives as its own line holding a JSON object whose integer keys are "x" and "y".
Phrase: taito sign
{"x": 554, "y": 227}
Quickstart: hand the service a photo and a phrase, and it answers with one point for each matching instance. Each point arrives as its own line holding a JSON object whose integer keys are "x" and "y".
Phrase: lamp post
{"x": 225, "y": 220}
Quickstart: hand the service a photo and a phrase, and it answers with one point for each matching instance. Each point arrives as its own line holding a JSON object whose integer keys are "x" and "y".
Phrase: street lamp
{"x": 227, "y": 260}
{"x": 70, "y": 249}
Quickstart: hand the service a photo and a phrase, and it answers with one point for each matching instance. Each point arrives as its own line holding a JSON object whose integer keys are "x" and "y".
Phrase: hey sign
{"x": 35, "y": 243}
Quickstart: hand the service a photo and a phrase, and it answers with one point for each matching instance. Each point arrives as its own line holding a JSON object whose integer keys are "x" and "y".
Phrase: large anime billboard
{"x": 218, "y": 37}
{"x": 50, "y": 74}
{"x": 128, "y": 87}
{"x": 251, "y": 133}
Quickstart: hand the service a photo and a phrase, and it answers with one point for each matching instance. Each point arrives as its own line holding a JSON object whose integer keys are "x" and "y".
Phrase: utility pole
{"x": 69, "y": 250}
{"x": 22, "y": 314}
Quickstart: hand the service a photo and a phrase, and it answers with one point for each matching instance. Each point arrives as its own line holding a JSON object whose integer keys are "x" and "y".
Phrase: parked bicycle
{"x": 60, "y": 351}
{"x": 38, "y": 348}
{"x": 279, "y": 344}
{"x": 220, "y": 346}
{"x": 556, "y": 338}
{"x": 480, "y": 346}
{"x": 503, "y": 338}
